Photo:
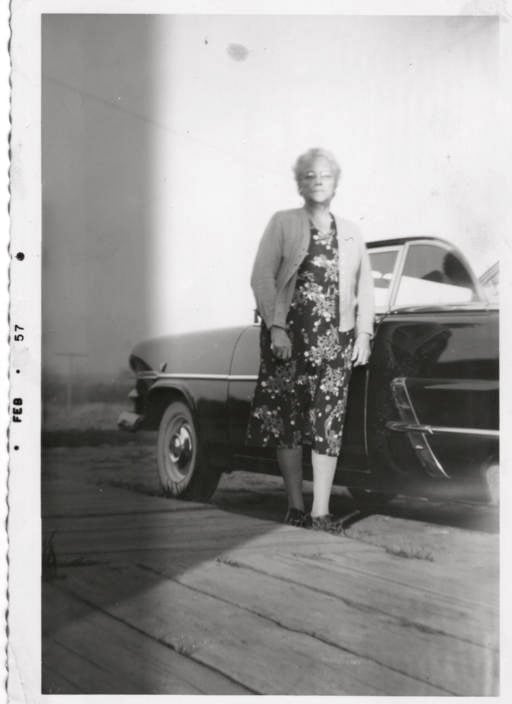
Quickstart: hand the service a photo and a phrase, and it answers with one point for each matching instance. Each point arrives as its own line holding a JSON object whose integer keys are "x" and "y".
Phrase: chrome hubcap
{"x": 180, "y": 446}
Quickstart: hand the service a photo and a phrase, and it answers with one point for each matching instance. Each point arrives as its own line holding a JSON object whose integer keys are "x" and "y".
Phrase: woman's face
{"x": 317, "y": 183}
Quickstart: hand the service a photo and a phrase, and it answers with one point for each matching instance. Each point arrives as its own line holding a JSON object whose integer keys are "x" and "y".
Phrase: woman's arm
{"x": 265, "y": 268}
{"x": 365, "y": 295}
{"x": 365, "y": 309}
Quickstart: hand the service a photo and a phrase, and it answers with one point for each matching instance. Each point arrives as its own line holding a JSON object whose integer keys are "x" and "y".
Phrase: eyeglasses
{"x": 312, "y": 175}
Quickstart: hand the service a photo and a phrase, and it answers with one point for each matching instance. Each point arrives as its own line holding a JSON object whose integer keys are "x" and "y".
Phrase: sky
{"x": 168, "y": 142}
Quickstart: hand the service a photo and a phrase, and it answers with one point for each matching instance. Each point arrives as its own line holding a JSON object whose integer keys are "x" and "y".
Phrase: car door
{"x": 242, "y": 382}
{"x": 384, "y": 262}
{"x": 433, "y": 377}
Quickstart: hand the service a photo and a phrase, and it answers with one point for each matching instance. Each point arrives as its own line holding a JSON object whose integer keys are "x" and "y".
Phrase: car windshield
{"x": 434, "y": 275}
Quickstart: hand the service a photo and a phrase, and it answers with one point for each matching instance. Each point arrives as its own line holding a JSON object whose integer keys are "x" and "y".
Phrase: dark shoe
{"x": 296, "y": 517}
{"x": 328, "y": 523}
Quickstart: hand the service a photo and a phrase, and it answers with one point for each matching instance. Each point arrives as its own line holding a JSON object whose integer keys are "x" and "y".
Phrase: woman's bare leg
{"x": 290, "y": 464}
{"x": 324, "y": 468}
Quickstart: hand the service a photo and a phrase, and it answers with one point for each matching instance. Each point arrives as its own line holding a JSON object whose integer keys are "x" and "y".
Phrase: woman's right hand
{"x": 281, "y": 343}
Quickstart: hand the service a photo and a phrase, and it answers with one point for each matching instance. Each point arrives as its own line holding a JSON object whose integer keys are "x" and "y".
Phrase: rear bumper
{"x": 129, "y": 421}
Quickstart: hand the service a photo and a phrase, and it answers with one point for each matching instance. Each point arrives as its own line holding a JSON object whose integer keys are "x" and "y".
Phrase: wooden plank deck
{"x": 159, "y": 596}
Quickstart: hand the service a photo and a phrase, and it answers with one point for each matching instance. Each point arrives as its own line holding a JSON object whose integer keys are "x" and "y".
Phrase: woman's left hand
{"x": 361, "y": 352}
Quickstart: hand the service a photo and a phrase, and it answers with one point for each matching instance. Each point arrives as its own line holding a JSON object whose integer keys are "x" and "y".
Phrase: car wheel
{"x": 182, "y": 467}
{"x": 367, "y": 500}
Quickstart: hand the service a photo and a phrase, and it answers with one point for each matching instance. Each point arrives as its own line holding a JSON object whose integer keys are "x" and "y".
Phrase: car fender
{"x": 163, "y": 389}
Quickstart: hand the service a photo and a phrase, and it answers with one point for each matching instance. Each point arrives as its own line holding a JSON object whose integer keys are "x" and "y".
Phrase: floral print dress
{"x": 302, "y": 400}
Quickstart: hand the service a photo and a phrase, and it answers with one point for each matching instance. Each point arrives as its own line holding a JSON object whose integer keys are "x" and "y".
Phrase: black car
{"x": 422, "y": 416}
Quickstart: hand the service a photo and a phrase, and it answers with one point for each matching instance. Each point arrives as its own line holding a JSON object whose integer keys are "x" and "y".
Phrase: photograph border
{"x": 22, "y": 473}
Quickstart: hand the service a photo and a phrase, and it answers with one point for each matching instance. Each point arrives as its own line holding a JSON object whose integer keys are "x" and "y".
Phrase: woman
{"x": 314, "y": 291}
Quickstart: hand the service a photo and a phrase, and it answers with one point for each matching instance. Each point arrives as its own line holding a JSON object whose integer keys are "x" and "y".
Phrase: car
{"x": 422, "y": 417}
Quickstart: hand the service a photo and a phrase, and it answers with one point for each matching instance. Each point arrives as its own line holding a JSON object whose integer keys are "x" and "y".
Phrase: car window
{"x": 434, "y": 275}
{"x": 383, "y": 264}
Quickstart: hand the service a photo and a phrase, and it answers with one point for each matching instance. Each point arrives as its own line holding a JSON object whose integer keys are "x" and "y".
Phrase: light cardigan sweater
{"x": 282, "y": 249}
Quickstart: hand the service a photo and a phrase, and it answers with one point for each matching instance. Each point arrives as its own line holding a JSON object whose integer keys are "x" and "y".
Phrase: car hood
{"x": 203, "y": 352}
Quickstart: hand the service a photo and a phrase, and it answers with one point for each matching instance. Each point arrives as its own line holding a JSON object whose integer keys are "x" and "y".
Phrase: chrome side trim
{"x": 218, "y": 377}
{"x": 209, "y": 377}
{"x": 243, "y": 377}
{"x": 397, "y": 275}
{"x": 403, "y": 427}
{"x": 146, "y": 375}
{"x": 417, "y": 436}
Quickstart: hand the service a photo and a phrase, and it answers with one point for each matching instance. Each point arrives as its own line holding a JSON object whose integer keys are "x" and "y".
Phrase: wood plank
{"x": 430, "y": 655}
{"x": 342, "y": 554}
{"x": 263, "y": 656}
{"x": 83, "y": 675}
{"x": 278, "y": 609}
{"x": 90, "y": 652}
{"x": 226, "y": 531}
{"x": 372, "y": 581}
{"x": 56, "y": 683}
{"x": 59, "y": 609}
{"x": 446, "y": 545}
{"x": 470, "y": 620}
{"x": 475, "y": 585}
{"x": 467, "y": 619}
{"x": 115, "y": 534}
